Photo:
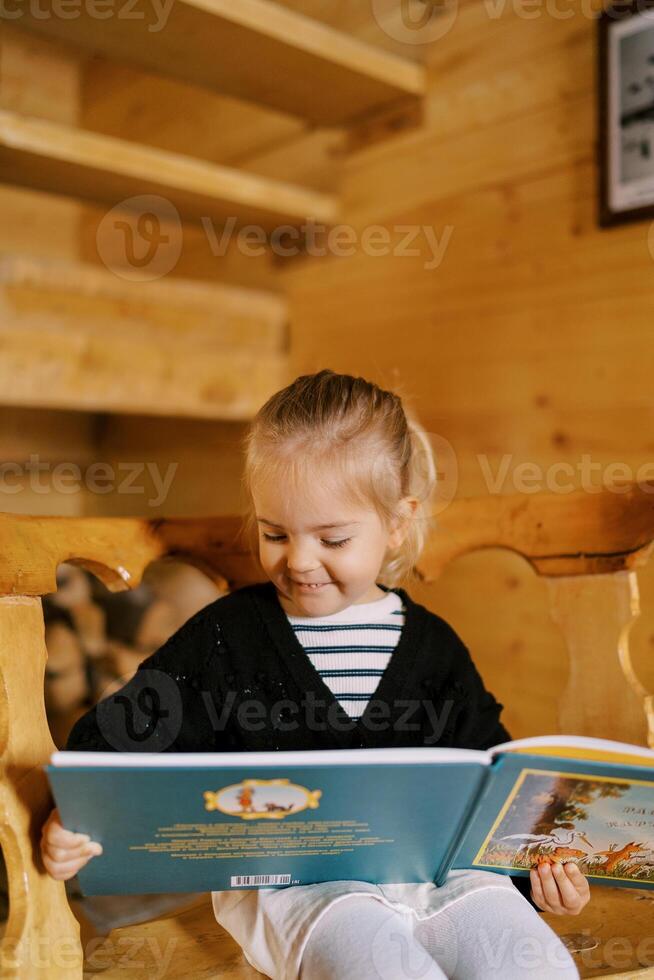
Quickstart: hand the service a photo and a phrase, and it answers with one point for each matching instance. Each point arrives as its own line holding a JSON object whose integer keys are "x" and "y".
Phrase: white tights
{"x": 488, "y": 935}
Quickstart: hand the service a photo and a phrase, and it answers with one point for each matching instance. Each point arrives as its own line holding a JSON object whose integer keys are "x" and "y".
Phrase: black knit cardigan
{"x": 235, "y": 677}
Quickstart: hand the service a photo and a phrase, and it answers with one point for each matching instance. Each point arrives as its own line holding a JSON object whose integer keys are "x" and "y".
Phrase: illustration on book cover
{"x": 604, "y": 825}
{"x": 268, "y": 799}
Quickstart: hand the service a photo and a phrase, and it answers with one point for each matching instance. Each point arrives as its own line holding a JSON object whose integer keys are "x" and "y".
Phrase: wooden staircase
{"x": 255, "y": 50}
{"x": 76, "y": 336}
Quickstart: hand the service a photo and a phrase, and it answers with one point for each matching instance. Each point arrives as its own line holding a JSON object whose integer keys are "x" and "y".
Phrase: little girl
{"x": 333, "y": 655}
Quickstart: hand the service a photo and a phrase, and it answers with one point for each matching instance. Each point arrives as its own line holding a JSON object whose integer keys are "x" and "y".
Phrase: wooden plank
{"x": 51, "y": 157}
{"x": 37, "y": 77}
{"x": 94, "y": 341}
{"x": 558, "y": 534}
{"x": 620, "y": 921}
{"x": 254, "y": 49}
{"x": 189, "y": 944}
{"x": 369, "y": 22}
{"x": 124, "y": 101}
{"x": 118, "y": 550}
{"x": 42, "y": 79}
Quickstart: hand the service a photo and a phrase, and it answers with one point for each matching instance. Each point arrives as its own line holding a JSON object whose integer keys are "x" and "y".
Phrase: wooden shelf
{"x": 79, "y": 337}
{"x": 252, "y": 49}
{"x": 51, "y": 157}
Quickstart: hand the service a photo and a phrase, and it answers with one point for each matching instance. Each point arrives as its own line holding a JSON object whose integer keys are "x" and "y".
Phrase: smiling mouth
{"x": 310, "y": 586}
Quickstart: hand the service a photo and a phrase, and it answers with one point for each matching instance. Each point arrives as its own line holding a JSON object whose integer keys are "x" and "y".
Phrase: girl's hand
{"x": 559, "y": 888}
{"x": 63, "y": 851}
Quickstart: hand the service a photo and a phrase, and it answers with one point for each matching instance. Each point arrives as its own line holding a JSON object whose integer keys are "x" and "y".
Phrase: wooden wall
{"x": 531, "y": 341}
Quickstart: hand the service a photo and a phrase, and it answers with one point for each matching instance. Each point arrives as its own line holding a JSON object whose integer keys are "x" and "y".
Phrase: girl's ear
{"x": 400, "y": 527}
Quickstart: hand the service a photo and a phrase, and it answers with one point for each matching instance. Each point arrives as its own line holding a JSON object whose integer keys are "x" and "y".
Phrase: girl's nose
{"x": 300, "y": 560}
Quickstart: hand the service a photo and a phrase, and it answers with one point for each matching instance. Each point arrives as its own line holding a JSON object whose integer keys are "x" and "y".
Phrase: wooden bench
{"x": 587, "y": 546}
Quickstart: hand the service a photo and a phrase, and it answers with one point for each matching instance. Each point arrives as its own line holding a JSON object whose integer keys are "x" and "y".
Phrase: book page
{"x": 535, "y": 809}
{"x": 329, "y": 757}
{"x": 579, "y": 747}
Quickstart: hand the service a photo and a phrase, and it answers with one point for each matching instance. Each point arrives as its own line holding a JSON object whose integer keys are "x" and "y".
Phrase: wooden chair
{"x": 588, "y": 548}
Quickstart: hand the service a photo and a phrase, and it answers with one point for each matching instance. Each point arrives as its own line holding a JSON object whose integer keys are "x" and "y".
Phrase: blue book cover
{"x": 218, "y": 821}
{"x": 194, "y": 822}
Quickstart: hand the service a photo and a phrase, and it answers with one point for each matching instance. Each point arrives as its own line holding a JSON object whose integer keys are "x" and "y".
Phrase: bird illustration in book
{"x": 559, "y": 838}
{"x": 603, "y": 825}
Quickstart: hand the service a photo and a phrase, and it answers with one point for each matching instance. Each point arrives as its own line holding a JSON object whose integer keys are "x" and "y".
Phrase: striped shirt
{"x": 350, "y": 649}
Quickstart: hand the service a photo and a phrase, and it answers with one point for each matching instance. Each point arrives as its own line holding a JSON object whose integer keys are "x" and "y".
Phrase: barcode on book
{"x": 260, "y": 880}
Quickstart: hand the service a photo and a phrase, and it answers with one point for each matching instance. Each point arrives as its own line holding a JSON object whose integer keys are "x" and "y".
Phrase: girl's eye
{"x": 328, "y": 544}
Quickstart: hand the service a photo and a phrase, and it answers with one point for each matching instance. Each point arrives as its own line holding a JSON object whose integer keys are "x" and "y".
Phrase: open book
{"x": 194, "y": 822}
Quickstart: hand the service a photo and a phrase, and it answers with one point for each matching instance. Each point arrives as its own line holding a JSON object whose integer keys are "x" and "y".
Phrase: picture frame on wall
{"x": 626, "y": 112}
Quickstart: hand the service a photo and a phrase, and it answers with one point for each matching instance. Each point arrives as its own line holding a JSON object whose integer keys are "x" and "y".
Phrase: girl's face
{"x": 323, "y": 540}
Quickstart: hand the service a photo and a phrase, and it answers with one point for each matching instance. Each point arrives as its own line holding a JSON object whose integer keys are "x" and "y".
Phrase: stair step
{"x": 96, "y": 342}
{"x": 251, "y": 49}
{"x": 60, "y": 159}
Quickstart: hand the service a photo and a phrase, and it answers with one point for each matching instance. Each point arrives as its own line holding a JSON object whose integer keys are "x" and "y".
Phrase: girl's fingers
{"x": 578, "y": 879}
{"x": 549, "y": 889}
{"x": 58, "y": 835}
{"x": 64, "y": 869}
{"x": 62, "y": 854}
{"x": 559, "y": 889}
{"x": 55, "y": 833}
{"x": 537, "y": 889}
{"x": 65, "y": 847}
{"x": 568, "y": 894}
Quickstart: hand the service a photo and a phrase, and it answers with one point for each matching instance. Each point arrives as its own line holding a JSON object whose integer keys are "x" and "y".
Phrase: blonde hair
{"x": 361, "y": 438}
